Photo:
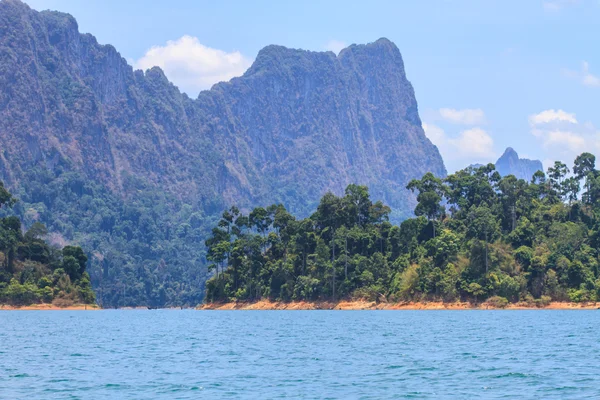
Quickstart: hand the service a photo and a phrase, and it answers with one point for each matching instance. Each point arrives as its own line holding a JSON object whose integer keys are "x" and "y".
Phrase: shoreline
{"x": 371, "y": 305}
{"x": 345, "y": 305}
{"x": 50, "y": 307}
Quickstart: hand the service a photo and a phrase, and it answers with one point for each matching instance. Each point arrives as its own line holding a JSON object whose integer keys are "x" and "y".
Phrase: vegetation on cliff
{"x": 144, "y": 249}
{"x": 31, "y": 271}
{"x": 476, "y": 236}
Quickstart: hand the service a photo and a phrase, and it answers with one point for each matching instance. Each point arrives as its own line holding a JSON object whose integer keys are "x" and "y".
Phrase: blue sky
{"x": 487, "y": 74}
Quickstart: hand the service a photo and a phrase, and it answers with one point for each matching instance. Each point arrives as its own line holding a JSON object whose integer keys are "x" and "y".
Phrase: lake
{"x": 187, "y": 354}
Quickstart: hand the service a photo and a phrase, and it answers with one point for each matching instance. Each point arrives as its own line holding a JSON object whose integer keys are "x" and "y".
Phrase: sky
{"x": 487, "y": 74}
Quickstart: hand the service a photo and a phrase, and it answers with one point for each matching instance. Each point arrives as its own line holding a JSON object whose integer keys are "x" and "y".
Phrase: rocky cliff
{"x": 522, "y": 168}
{"x": 295, "y": 125}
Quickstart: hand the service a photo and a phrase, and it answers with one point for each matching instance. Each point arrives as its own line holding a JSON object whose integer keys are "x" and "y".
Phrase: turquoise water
{"x": 185, "y": 354}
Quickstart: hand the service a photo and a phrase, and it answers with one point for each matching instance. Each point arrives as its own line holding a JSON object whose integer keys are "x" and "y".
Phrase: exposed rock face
{"x": 297, "y": 120}
{"x": 510, "y": 164}
{"x": 295, "y": 125}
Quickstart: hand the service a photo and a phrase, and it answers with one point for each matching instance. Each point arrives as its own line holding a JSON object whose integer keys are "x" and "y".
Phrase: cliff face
{"x": 68, "y": 101}
{"x": 313, "y": 122}
{"x": 510, "y": 164}
{"x": 294, "y": 126}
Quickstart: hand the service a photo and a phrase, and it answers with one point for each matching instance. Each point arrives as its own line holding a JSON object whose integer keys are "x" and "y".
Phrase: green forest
{"x": 476, "y": 236}
{"x": 145, "y": 247}
{"x": 31, "y": 271}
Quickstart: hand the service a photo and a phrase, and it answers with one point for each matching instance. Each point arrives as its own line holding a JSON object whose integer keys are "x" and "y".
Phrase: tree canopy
{"x": 476, "y": 235}
{"x": 32, "y": 271}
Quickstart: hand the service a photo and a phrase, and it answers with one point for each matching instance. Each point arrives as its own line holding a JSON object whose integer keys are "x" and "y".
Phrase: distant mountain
{"x": 510, "y": 164}
{"x": 124, "y": 164}
{"x": 522, "y": 168}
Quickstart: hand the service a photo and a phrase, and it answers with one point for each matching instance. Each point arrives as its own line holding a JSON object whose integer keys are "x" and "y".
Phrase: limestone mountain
{"x": 509, "y": 163}
{"x": 522, "y": 168}
{"x": 137, "y": 171}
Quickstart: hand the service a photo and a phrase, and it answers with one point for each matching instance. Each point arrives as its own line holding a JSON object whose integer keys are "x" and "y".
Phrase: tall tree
{"x": 483, "y": 225}
{"x": 431, "y": 190}
{"x": 584, "y": 168}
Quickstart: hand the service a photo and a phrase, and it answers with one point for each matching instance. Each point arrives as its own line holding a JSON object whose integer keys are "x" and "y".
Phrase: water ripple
{"x": 165, "y": 354}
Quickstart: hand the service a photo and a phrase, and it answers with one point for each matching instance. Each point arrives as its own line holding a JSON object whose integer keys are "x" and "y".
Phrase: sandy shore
{"x": 325, "y": 305}
{"x": 51, "y": 307}
{"x": 366, "y": 305}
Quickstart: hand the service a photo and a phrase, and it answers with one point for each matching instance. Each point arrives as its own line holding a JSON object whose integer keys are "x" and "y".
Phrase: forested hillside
{"x": 123, "y": 164}
{"x": 476, "y": 236}
{"x": 31, "y": 271}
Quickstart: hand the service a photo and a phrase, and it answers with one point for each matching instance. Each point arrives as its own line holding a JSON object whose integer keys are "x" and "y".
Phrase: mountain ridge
{"x": 295, "y": 125}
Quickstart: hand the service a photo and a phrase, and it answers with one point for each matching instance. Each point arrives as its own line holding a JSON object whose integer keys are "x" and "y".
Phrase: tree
{"x": 584, "y": 168}
{"x": 358, "y": 205}
{"x": 584, "y": 164}
{"x": 80, "y": 258}
{"x": 431, "y": 190}
{"x": 510, "y": 190}
{"x": 570, "y": 189}
{"x": 483, "y": 225}
{"x": 557, "y": 175}
{"x": 260, "y": 219}
{"x": 218, "y": 253}
{"x": 36, "y": 232}
{"x": 71, "y": 266}
{"x": 444, "y": 248}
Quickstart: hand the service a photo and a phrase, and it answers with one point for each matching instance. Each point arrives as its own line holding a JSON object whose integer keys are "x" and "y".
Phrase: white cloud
{"x": 193, "y": 66}
{"x": 473, "y": 145}
{"x": 548, "y": 116}
{"x": 335, "y": 45}
{"x": 565, "y": 145}
{"x": 474, "y": 142}
{"x": 572, "y": 141}
{"x": 435, "y": 134}
{"x": 561, "y": 135}
{"x": 467, "y": 116}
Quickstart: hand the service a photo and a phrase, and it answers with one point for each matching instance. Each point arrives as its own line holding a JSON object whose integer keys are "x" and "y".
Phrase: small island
{"x": 35, "y": 275}
{"x": 479, "y": 240}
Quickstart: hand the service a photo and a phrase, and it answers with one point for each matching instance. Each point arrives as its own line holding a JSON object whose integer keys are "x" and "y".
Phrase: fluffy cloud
{"x": 193, "y": 66}
{"x": 435, "y": 134}
{"x": 335, "y": 45}
{"x": 467, "y": 116}
{"x": 474, "y": 142}
{"x": 471, "y": 146}
{"x": 549, "y": 116}
{"x": 574, "y": 142}
{"x": 562, "y": 136}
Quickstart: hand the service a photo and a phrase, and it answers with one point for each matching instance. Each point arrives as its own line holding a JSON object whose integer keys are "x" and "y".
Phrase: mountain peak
{"x": 383, "y": 42}
{"x": 510, "y": 164}
{"x": 275, "y": 52}
{"x": 380, "y": 45}
{"x": 509, "y": 153}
